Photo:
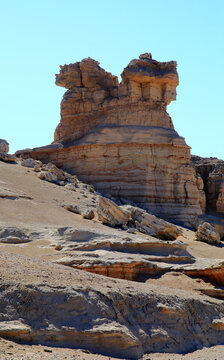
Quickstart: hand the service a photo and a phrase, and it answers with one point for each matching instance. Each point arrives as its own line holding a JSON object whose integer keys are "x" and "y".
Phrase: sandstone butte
{"x": 120, "y": 138}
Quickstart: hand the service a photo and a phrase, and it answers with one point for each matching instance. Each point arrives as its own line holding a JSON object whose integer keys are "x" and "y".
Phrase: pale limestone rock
{"x": 56, "y": 171}
{"x": 110, "y": 213}
{"x": 151, "y": 225}
{"x": 207, "y": 233}
{"x": 52, "y": 173}
{"x": 113, "y": 215}
{"x": 31, "y": 163}
{"x": 217, "y": 222}
{"x": 4, "y": 146}
{"x": 12, "y": 235}
{"x": 48, "y": 176}
{"x": 11, "y": 329}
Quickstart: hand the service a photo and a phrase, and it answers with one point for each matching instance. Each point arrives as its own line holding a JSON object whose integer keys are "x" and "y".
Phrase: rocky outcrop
{"x": 120, "y": 138}
{"x": 110, "y": 213}
{"x": 12, "y": 235}
{"x": 135, "y": 218}
{"x": 211, "y": 170}
{"x": 4, "y": 149}
{"x": 207, "y": 233}
{"x": 150, "y": 224}
{"x": 4, "y": 146}
{"x": 7, "y": 157}
{"x": 31, "y": 163}
{"x": 217, "y": 222}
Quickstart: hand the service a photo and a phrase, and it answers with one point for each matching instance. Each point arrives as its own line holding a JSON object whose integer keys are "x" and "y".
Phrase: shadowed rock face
{"x": 211, "y": 171}
{"x": 119, "y": 137}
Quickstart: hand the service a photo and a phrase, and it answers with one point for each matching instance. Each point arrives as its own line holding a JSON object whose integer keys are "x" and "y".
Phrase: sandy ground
{"x": 13, "y": 351}
{"x": 44, "y": 209}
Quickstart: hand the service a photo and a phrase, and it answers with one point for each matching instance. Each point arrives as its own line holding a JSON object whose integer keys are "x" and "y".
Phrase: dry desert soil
{"x": 36, "y": 207}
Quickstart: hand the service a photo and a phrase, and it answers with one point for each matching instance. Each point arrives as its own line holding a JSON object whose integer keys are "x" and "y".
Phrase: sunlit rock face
{"x": 120, "y": 138}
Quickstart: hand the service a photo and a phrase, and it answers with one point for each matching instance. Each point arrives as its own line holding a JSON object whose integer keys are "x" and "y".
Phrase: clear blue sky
{"x": 39, "y": 35}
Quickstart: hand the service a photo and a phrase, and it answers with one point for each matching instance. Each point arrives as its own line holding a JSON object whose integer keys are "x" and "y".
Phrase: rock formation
{"x": 4, "y": 149}
{"x": 130, "y": 216}
{"x": 120, "y": 138}
{"x": 211, "y": 170}
{"x": 207, "y": 233}
{"x": 4, "y": 146}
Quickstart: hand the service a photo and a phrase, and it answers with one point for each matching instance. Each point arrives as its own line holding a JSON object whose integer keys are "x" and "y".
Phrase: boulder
{"x": 31, "y": 163}
{"x": 110, "y": 213}
{"x": 48, "y": 176}
{"x": 12, "y": 235}
{"x": 150, "y": 224}
{"x": 52, "y": 173}
{"x": 216, "y": 221}
{"x": 59, "y": 173}
{"x": 207, "y": 233}
{"x": 88, "y": 214}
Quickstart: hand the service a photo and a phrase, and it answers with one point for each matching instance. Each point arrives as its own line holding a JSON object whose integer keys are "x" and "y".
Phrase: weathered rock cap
{"x": 89, "y": 74}
{"x": 145, "y": 70}
{"x": 86, "y": 73}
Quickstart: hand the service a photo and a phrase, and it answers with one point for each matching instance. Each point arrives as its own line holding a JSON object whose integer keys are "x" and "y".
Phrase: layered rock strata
{"x": 120, "y": 138}
{"x": 43, "y": 303}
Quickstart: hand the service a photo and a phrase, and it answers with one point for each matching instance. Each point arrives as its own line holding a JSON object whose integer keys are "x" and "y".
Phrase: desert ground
{"x": 37, "y": 208}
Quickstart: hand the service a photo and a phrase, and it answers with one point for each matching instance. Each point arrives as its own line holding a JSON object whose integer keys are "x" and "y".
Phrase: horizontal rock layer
{"x": 59, "y": 306}
{"x": 134, "y": 171}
